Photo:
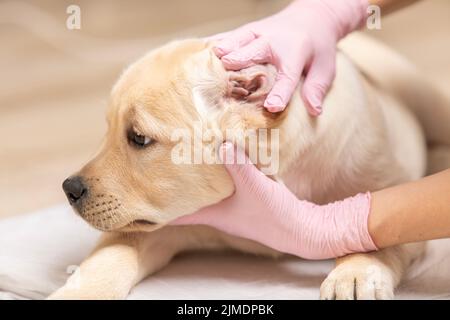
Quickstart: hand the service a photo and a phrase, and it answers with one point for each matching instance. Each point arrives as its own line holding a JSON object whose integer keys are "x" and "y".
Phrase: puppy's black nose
{"x": 74, "y": 189}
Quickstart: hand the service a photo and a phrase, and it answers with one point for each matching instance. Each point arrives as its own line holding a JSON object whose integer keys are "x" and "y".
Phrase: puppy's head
{"x": 160, "y": 105}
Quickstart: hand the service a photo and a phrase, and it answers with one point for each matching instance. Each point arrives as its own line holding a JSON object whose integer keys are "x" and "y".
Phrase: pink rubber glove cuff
{"x": 344, "y": 228}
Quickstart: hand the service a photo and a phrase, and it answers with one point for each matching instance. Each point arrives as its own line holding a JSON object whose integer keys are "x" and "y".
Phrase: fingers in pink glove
{"x": 288, "y": 77}
{"x": 256, "y": 52}
{"x": 304, "y": 32}
{"x": 233, "y": 41}
{"x": 281, "y": 93}
{"x": 239, "y": 166}
{"x": 318, "y": 82}
{"x": 230, "y": 159}
{"x": 244, "y": 175}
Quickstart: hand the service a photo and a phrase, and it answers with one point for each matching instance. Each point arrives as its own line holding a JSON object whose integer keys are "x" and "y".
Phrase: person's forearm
{"x": 411, "y": 212}
{"x": 388, "y": 6}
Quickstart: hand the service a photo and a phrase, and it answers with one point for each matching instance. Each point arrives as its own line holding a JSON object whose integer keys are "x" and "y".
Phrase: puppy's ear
{"x": 251, "y": 85}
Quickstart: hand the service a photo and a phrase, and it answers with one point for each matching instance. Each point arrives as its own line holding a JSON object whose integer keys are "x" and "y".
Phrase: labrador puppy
{"x": 367, "y": 138}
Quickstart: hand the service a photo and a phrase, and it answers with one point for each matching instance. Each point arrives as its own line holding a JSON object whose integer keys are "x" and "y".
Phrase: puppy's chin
{"x": 139, "y": 225}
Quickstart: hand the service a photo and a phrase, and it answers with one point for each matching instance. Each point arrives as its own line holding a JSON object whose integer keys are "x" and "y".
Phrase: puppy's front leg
{"x": 111, "y": 270}
{"x": 122, "y": 260}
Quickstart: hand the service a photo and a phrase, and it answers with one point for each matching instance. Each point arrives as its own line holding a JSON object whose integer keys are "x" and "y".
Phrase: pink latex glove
{"x": 301, "y": 39}
{"x": 267, "y": 212}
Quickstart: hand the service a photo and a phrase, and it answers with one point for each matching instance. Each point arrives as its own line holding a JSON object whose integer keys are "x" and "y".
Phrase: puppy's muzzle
{"x": 75, "y": 190}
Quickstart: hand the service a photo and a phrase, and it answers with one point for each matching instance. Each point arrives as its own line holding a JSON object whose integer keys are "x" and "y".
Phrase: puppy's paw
{"x": 65, "y": 293}
{"x": 74, "y": 289}
{"x": 368, "y": 280}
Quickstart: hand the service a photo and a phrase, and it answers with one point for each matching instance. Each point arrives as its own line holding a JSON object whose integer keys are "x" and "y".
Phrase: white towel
{"x": 37, "y": 250}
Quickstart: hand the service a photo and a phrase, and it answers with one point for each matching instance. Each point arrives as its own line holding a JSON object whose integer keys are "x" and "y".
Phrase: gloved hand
{"x": 267, "y": 212}
{"x": 301, "y": 39}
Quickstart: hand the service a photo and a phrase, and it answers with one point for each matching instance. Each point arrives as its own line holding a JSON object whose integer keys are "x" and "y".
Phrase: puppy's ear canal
{"x": 246, "y": 87}
{"x": 250, "y": 85}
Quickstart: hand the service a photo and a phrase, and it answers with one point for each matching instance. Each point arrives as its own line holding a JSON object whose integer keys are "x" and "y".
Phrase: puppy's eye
{"x": 138, "y": 140}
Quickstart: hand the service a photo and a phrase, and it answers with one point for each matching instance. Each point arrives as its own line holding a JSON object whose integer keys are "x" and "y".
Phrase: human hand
{"x": 301, "y": 39}
{"x": 265, "y": 211}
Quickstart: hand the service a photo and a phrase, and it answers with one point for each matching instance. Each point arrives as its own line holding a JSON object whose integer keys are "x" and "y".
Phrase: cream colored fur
{"x": 366, "y": 139}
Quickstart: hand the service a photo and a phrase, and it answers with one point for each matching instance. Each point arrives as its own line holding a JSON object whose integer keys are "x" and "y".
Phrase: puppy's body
{"x": 365, "y": 140}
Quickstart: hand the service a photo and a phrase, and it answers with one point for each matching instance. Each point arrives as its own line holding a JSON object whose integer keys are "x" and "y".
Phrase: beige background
{"x": 54, "y": 82}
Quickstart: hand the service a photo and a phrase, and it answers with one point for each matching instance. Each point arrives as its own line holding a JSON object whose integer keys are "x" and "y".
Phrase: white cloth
{"x": 37, "y": 249}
